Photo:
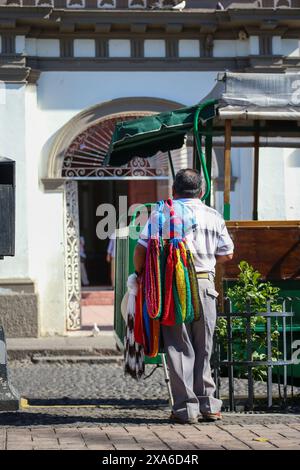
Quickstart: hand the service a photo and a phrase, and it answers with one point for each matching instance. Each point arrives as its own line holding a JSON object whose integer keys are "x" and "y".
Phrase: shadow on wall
{"x": 294, "y": 159}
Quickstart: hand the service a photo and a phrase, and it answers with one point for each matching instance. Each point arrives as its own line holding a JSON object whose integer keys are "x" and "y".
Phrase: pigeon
{"x": 96, "y": 330}
{"x": 219, "y": 6}
{"x": 169, "y": 5}
{"x": 180, "y": 6}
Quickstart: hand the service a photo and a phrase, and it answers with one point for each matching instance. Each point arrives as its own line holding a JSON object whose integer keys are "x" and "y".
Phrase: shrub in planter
{"x": 251, "y": 293}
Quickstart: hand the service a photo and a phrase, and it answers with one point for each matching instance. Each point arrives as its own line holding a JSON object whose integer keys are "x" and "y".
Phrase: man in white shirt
{"x": 189, "y": 346}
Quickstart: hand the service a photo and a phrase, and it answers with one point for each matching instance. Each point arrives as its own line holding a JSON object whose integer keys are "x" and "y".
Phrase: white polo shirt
{"x": 204, "y": 230}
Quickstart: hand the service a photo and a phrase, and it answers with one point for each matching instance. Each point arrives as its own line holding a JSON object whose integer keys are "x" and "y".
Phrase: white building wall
{"x": 119, "y": 48}
{"x": 41, "y": 47}
{"x": 288, "y": 47}
{"x": 154, "y": 48}
{"x": 272, "y": 185}
{"x": 189, "y": 48}
{"x": 292, "y": 183}
{"x": 84, "y": 48}
{"x": 241, "y": 198}
{"x": 20, "y": 44}
{"x": 236, "y": 47}
{"x": 12, "y": 144}
{"x": 254, "y": 45}
{"x": 45, "y": 228}
{"x": 49, "y": 106}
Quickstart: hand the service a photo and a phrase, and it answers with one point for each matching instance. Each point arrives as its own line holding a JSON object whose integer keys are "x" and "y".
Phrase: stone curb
{"x": 22, "y": 354}
{"x": 109, "y": 359}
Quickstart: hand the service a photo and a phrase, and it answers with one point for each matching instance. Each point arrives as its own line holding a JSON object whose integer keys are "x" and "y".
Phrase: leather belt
{"x": 202, "y": 275}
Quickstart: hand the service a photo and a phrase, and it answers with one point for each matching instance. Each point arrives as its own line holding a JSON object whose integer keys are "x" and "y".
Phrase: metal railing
{"x": 234, "y": 351}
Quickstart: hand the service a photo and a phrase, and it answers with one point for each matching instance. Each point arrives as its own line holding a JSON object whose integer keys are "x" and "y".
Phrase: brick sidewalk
{"x": 153, "y": 437}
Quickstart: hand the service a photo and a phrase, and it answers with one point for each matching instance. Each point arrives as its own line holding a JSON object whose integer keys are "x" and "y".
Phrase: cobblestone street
{"x": 90, "y": 406}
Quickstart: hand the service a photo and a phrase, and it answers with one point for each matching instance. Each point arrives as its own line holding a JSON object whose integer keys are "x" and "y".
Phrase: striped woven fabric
{"x": 169, "y": 289}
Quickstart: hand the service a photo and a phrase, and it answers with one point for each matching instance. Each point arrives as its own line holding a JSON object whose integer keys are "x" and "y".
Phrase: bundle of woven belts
{"x": 168, "y": 291}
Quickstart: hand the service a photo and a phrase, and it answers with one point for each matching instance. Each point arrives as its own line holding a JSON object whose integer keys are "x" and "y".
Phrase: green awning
{"x": 161, "y": 132}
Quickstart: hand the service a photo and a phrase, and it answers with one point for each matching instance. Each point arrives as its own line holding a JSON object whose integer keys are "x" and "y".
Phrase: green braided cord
{"x": 194, "y": 286}
{"x": 189, "y": 310}
{"x": 189, "y": 306}
{"x": 177, "y": 305}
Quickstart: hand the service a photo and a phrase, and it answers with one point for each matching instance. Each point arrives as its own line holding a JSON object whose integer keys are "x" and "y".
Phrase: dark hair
{"x": 188, "y": 183}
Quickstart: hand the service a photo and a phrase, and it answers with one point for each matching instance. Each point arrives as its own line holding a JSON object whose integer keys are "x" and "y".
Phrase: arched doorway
{"x": 77, "y": 156}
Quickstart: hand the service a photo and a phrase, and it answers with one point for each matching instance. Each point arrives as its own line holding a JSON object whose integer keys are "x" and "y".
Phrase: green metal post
{"x": 208, "y": 156}
{"x": 197, "y": 137}
{"x": 227, "y": 169}
{"x": 171, "y": 165}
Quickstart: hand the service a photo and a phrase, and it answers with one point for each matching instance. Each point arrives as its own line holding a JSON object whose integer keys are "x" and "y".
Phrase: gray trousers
{"x": 188, "y": 348}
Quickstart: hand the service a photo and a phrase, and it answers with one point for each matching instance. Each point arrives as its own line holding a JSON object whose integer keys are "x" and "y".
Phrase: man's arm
{"x": 224, "y": 258}
{"x": 225, "y": 246}
{"x": 139, "y": 257}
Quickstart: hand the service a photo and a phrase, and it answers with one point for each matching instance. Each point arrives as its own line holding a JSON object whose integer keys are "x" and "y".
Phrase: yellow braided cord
{"x": 180, "y": 283}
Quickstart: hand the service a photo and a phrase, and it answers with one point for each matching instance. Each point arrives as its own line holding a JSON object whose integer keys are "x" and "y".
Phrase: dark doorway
{"x": 93, "y": 193}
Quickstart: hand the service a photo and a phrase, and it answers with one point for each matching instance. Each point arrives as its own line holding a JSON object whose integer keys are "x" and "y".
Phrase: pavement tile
{"x": 279, "y": 434}
{"x": 154, "y": 446}
{"x": 210, "y": 447}
{"x": 153, "y": 437}
{"x": 181, "y": 444}
{"x": 248, "y": 437}
{"x": 235, "y": 446}
{"x": 124, "y": 446}
{"x": 19, "y": 447}
{"x": 289, "y": 433}
{"x": 294, "y": 426}
{"x": 120, "y": 438}
{"x": 147, "y": 439}
{"x": 66, "y": 442}
{"x": 101, "y": 447}
{"x": 73, "y": 447}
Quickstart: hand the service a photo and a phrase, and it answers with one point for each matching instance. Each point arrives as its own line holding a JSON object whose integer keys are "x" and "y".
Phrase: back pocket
{"x": 212, "y": 292}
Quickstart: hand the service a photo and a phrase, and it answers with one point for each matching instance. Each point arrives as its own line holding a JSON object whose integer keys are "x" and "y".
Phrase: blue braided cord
{"x": 146, "y": 321}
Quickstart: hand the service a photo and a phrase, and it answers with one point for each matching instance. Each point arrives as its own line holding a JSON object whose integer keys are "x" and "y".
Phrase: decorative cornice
{"x": 140, "y": 64}
{"x": 66, "y": 47}
{"x": 54, "y": 184}
{"x": 8, "y": 43}
{"x": 33, "y": 76}
{"x": 14, "y": 75}
{"x": 171, "y": 48}
{"x": 14, "y": 69}
{"x": 265, "y": 45}
{"x": 137, "y": 48}
{"x": 141, "y": 21}
{"x": 101, "y": 47}
{"x": 28, "y": 70}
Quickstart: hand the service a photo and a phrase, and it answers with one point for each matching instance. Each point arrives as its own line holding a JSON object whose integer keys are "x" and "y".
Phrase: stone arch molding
{"x": 61, "y": 142}
{"x": 91, "y": 116}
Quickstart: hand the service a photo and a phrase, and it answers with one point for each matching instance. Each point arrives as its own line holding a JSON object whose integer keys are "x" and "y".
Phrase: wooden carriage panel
{"x": 273, "y": 248}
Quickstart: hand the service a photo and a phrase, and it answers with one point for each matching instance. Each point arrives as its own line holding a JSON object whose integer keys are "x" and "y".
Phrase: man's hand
{"x": 224, "y": 259}
{"x": 139, "y": 257}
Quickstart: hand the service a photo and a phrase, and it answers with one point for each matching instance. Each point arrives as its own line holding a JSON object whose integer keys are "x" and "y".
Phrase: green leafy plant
{"x": 250, "y": 294}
